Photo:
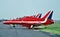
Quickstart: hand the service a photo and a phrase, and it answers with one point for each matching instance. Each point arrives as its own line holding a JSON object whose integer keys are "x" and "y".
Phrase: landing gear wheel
{"x": 32, "y": 27}
{"x": 13, "y": 26}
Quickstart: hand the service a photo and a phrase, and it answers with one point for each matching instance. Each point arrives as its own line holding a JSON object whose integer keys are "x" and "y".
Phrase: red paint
{"x": 20, "y": 21}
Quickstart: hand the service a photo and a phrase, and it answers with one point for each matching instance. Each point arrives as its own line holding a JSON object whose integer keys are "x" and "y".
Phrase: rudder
{"x": 50, "y": 15}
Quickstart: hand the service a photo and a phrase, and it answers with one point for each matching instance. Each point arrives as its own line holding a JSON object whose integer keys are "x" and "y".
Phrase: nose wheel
{"x": 12, "y": 26}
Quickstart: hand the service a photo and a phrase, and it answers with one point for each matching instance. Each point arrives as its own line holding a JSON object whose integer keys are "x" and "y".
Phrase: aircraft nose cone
{"x": 4, "y": 22}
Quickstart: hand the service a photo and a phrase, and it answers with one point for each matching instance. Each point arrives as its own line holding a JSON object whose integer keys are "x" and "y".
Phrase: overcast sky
{"x": 19, "y": 8}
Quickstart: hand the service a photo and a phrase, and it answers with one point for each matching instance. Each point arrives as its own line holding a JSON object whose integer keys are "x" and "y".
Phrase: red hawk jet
{"x": 31, "y": 22}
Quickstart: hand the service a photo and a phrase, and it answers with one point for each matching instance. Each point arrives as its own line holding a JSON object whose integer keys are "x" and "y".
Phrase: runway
{"x": 19, "y": 31}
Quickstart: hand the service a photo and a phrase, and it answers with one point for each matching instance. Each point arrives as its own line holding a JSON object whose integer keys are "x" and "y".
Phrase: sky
{"x": 10, "y": 9}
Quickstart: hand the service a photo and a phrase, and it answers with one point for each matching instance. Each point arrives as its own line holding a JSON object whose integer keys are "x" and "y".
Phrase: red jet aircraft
{"x": 31, "y": 22}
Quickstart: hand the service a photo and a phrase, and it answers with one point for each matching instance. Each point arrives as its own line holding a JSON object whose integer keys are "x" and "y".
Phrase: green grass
{"x": 54, "y": 28}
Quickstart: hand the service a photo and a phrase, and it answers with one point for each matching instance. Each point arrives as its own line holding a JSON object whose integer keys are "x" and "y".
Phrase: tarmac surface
{"x": 19, "y": 31}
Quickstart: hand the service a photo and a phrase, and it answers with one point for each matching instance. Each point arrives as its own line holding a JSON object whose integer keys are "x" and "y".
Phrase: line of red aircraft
{"x": 32, "y": 21}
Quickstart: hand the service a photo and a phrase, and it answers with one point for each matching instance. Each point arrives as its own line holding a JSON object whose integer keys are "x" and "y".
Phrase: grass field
{"x": 54, "y": 28}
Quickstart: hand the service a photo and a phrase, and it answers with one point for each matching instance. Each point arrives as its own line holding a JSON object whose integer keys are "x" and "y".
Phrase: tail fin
{"x": 38, "y": 15}
{"x": 50, "y": 15}
{"x": 47, "y": 15}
